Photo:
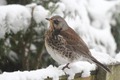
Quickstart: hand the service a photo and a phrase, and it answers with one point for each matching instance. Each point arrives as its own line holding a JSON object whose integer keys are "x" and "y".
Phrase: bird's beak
{"x": 51, "y": 24}
{"x": 47, "y": 19}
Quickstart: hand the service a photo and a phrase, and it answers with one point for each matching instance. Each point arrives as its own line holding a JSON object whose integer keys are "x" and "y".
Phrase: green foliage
{"x": 27, "y": 45}
{"x": 116, "y": 29}
{"x": 20, "y": 44}
{"x": 23, "y": 2}
{"x": 45, "y": 2}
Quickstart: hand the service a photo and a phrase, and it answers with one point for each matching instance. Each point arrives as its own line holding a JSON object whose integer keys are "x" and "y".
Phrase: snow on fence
{"x": 54, "y": 73}
{"x": 48, "y": 73}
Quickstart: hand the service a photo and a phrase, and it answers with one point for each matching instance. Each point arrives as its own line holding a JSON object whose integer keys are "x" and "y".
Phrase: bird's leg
{"x": 66, "y": 66}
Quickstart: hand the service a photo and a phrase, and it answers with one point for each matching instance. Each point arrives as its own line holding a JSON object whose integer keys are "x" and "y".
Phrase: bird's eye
{"x": 56, "y": 22}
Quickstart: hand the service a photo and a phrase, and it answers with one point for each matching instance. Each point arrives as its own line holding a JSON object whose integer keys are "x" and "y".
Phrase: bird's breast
{"x": 56, "y": 53}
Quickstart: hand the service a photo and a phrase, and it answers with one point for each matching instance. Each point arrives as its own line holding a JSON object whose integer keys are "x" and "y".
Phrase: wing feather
{"x": 74, "y": 42}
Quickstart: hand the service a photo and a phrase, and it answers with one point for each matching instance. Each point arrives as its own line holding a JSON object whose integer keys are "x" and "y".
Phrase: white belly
{"x": 56, "y": 56}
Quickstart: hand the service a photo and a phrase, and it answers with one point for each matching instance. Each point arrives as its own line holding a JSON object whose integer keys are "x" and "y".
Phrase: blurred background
{"x": 23, "y": 25}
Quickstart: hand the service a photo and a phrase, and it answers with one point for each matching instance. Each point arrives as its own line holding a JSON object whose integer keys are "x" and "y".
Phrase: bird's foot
{"x": 66, "y": 66}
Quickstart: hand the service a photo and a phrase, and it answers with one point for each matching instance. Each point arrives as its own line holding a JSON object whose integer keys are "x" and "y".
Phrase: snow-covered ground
{"x": 90, "y": 18}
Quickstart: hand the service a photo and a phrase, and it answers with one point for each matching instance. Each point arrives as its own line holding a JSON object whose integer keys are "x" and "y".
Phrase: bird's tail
{"x": 101, "y": 65}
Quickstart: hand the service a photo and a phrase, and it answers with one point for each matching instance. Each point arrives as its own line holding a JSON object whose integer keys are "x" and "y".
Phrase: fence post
{"x": 114, "y": 75}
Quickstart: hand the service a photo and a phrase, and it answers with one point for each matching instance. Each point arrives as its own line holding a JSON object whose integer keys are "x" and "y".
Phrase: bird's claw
{"x": 66, "y": 66}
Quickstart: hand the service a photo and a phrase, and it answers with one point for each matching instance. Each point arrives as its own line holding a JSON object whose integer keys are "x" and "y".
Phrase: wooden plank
{"x": 114, "y": 75}
{"x": 77, "y": 77}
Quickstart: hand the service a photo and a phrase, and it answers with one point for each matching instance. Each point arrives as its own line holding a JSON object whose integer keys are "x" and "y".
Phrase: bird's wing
{"x": 74, "y": 42}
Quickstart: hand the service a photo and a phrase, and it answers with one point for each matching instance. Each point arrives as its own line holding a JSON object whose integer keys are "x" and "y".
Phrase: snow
{"x": 60, "y": 9}
{"x": 50, "y": 71}
{"x": 103, "y": 57}
{"x": 117, "y": 57}
{"x": 99, "y": 9}
{"x": 20, "y": 17}
{"x": 78, "y": 67}
{"x": 32, "y": 47}
{"x": 39, "y": 74}
{"x": 39, "y": 14}
{"x": 31, "y": 7}
{"x": 12, "y": 15}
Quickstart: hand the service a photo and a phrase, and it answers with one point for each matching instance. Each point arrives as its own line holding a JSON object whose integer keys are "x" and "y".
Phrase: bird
{"x": 65, "y": 46}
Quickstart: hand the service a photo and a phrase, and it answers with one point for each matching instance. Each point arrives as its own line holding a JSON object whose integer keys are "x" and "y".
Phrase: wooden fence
{"x": 99, "y": 74}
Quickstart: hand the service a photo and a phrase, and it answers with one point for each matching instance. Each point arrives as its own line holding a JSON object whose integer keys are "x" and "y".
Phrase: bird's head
{"x": 57, "y": 22}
